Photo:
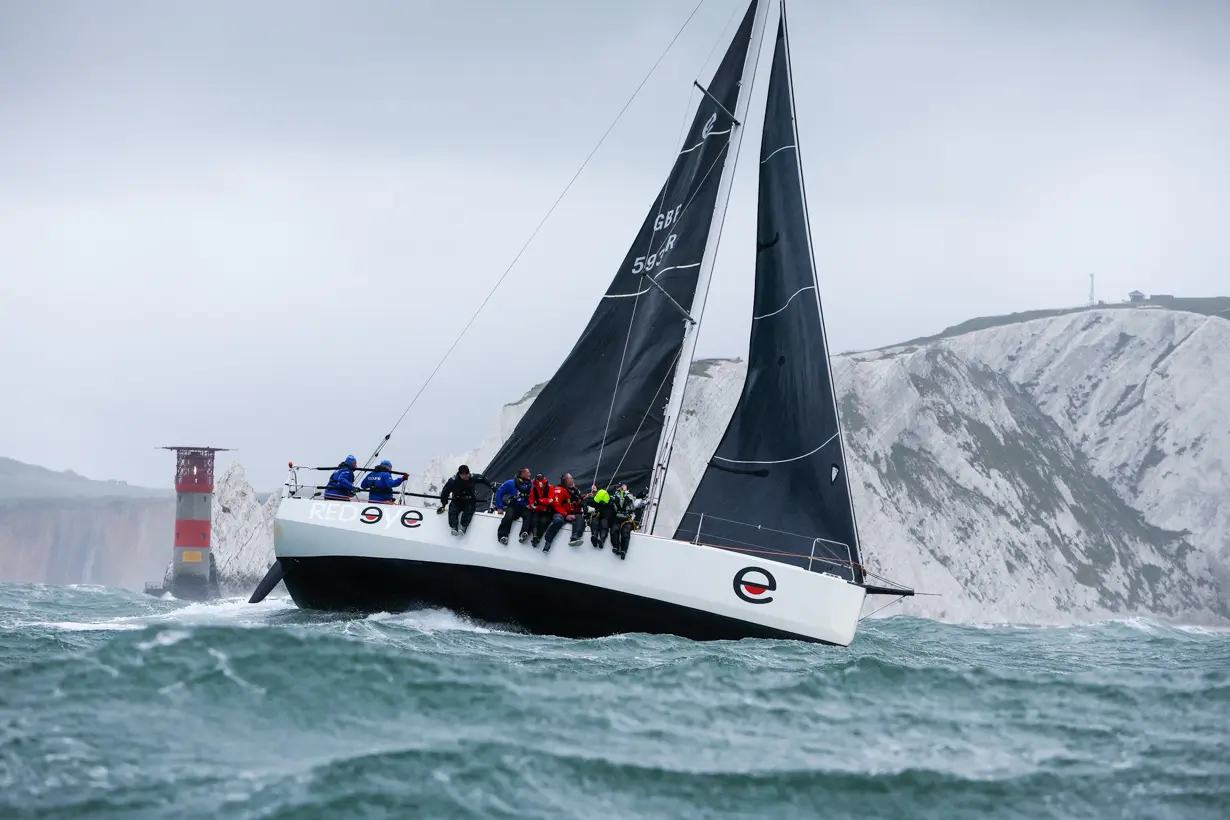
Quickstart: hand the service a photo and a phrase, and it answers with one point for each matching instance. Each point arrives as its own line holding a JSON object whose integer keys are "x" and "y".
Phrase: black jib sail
{"x": 780, "y": 463}
{"x": 600, "y": 416}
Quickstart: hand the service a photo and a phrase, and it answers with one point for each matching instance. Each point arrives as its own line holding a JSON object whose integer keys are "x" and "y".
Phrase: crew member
{"x": 623, "y": 507}
{"x": 643, "y": 497}
{"x": 599, "y": 505}
{"x": 565, "y": 509}
{"x": 512, "y": 501}
{"x": 461, "y": 508}
{"x": 341, "y": 484}
{"x": 380, "y": 482}
{"x": 540, "y": 507}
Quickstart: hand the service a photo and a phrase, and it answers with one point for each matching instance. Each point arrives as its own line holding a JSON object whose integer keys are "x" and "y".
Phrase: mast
{"x": 692, "y": 329}
{"x": 811, "y": 250}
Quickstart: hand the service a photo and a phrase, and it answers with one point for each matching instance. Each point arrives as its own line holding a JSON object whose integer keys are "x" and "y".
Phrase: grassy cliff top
{"x": 23, "y": 482}
{"x": 1207, "y": 305}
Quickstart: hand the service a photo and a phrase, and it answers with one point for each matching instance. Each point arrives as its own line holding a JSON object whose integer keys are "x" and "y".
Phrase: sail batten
{"x": 777, "y": 483}
{"x": 601, "y": 415}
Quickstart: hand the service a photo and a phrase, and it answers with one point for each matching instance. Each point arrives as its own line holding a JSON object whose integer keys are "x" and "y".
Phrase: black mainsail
{"x": 600, "y": 416}
{"x": 781, "y": 462}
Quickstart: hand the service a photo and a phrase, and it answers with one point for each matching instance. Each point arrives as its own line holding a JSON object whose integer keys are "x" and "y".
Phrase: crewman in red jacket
{"x": 540, "y": 506}
{"x": 565, "y": 509}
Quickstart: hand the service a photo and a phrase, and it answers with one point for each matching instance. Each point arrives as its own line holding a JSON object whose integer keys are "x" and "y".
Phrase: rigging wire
{"x": 606, "y": 431}
{"x": 627, "y": 338}
{"x": 666, "y": 377}
{"x": 683, "y": 132}
{"x": 721, "y": 39}
{"x": 631, "y": 321}
{"x": 547, "y": 216}
{"x": 886, "y": 606}
{"x": 610, "y": 413}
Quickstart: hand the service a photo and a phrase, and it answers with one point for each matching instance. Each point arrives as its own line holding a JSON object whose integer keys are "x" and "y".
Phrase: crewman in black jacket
{"x": 599, "y": 506}
{"x": 461, "y": 509}
{"x": 623, "y": 508}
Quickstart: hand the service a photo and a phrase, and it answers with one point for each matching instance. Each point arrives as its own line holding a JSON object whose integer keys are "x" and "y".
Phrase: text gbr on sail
{"x": 645, "y": 264}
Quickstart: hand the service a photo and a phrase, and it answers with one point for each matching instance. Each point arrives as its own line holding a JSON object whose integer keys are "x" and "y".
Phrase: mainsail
{"x": 780, "y": 462}
{"x": 601, "y": 415}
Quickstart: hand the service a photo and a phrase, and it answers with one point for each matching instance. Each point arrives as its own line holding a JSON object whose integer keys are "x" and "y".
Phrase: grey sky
{"x": 260, "y": 225}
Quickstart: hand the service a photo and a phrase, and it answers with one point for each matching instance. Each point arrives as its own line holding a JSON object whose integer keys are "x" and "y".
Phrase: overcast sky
{"x": 259, "y": 225}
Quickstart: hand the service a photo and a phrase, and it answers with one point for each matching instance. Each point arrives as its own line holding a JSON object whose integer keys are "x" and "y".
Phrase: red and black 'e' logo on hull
{"x": 754, "y": 584}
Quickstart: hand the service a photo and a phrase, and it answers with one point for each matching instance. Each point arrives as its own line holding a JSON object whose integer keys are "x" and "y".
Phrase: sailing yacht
{"x": 768, "y": 547}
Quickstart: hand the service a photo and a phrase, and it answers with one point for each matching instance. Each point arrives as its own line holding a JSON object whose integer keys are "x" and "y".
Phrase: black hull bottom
{"x": 545, "y": 606}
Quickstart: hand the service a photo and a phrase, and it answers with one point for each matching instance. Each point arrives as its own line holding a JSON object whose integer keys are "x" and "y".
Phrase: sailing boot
{"x": 546, "y": 547}
{"x": 576, "y": 542}
{"x": 504, "y": 540}
{"x": 464, "y": 527}
{"x": 534, "y": 542}
{"x": 522, "y": 537}
{"x": 455, "y": 531}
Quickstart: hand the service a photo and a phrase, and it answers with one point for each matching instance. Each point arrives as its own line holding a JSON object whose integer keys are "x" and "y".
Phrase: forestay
{"x": 600, "y": 416}
{"x": 780, "y": 462}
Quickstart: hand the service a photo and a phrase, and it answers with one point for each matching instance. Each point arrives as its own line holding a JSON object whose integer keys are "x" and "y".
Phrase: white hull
{"x": 333, "y": 558}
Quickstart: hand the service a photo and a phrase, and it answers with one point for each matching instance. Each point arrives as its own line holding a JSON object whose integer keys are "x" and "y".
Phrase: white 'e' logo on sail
{"x": 708, "y": 129}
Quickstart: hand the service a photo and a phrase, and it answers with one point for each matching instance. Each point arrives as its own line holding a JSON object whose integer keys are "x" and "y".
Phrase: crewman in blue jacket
{"x": 511, "y": 501}
{"x": 381, "y": 481}
{"x": 341, "y": 484}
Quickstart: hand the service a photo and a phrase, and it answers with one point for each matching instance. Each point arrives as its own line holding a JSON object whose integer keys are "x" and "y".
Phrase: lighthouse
{"x": 192, "y": 575}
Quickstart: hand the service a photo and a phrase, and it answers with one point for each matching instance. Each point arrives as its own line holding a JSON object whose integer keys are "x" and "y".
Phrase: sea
{"x": 116, "y": 705}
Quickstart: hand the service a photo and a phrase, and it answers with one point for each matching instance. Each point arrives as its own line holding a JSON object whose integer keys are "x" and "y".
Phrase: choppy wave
{"x": 117, "y": 705}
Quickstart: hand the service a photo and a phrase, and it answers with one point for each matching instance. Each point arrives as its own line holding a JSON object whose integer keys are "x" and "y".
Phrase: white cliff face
{"x": 242, "y": 532}
{"x": 961, "y": 478}
{"x": 439, "y": 469}
{"x": 1139, "y": 394}
{"x": 1061, "y": 469}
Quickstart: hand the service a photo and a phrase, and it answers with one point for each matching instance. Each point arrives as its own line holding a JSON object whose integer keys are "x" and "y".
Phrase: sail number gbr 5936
{"x": 644, "y": 265}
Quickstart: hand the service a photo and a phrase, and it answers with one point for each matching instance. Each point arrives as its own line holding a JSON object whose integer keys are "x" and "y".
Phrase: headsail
{"x": 780, "y": 463}
{"x": 601, "y": 414}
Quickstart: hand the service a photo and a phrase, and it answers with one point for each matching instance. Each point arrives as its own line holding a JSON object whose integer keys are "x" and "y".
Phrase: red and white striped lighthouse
{"x": 193, "y": 577}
